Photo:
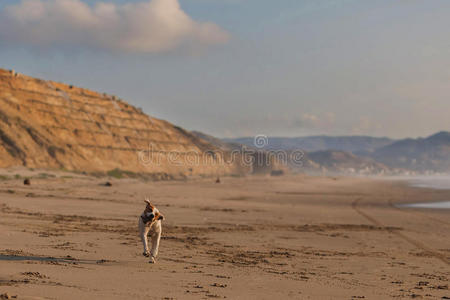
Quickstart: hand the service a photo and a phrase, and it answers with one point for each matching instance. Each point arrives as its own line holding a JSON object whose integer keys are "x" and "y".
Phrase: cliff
{"x": 45, "y": 124}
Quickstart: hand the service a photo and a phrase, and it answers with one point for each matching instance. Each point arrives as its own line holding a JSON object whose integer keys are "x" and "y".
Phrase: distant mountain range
{"x": 354, "y": 144}
{"x": 361, "y": 154}
{"x": 422, "y": 154}
{"x": 344, "y": 162}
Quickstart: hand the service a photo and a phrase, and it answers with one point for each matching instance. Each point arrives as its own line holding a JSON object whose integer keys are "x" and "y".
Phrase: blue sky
{"x": 289, "y": 68}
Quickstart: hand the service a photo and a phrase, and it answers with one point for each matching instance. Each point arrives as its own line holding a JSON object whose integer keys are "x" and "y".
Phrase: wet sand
{"x": 290, "y": 237}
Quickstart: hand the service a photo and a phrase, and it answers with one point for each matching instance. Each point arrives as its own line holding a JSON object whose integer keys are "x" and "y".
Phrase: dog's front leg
{"x": 143, "y": 230}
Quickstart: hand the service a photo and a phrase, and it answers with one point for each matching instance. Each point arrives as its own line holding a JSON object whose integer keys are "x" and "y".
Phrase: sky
{"x": 235, "y": 68}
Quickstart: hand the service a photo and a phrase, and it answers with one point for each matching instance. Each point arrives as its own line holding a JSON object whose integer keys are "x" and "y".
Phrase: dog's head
{"x": 151, "y": 213}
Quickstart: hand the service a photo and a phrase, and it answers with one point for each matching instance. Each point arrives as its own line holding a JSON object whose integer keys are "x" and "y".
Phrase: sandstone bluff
{"x": 46, "y": 124}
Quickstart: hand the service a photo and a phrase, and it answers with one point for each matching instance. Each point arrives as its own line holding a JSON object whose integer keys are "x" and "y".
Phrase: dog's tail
{"x": 147, "y": 200}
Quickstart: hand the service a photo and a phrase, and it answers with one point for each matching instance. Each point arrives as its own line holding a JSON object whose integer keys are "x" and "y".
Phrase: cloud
{"x": 366, "y": 126}
{"x": 324, "y": 121}
{"x": 155, "y": 26}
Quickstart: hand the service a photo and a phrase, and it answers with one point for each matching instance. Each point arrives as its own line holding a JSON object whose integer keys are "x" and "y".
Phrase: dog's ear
{"x": 147, "y": 200}
{"x": 160, "y": 217}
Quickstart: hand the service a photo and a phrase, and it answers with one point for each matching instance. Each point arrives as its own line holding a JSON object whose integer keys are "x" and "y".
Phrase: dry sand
{"x": 291, "y": 237}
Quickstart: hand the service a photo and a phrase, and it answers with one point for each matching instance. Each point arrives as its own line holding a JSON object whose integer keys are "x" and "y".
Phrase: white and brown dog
{"x": 150, "y": 223}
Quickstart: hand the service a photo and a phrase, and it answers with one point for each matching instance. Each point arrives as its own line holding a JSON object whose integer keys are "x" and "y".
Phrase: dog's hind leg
{"x": 156, "y": 237}
{"x": 155, "y": 243}
{"x": 143, "y": 230}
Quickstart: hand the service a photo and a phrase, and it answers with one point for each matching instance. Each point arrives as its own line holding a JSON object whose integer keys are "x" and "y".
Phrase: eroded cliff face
{"x": 45, "y": 124}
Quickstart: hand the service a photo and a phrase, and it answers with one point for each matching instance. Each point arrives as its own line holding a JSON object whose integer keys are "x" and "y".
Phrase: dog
{"x": 150, "y": 223}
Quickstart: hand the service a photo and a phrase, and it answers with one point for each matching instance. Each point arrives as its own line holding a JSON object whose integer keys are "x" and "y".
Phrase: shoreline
{"x": 444, "y": 205}
{"x": 439, "y": 193}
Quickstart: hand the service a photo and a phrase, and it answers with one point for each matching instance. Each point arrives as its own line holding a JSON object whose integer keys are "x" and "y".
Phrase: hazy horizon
{"x": 326, "y": 135}
{"x": 234, "y": 68}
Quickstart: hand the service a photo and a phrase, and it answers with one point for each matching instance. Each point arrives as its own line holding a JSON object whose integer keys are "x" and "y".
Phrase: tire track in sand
{"x": 415, "y": 243}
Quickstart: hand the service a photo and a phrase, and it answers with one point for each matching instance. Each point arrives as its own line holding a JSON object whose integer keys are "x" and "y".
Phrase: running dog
{"x": 150, "y": 223}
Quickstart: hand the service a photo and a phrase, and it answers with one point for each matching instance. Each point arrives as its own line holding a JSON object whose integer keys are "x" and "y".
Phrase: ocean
{"x": 434, "y": 182}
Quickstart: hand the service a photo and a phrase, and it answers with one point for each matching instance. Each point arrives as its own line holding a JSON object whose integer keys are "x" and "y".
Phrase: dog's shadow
{"x": 50, "y": 259}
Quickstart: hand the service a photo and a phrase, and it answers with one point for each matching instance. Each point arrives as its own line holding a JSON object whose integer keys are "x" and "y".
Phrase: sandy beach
{"x": 290, "y": 237}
